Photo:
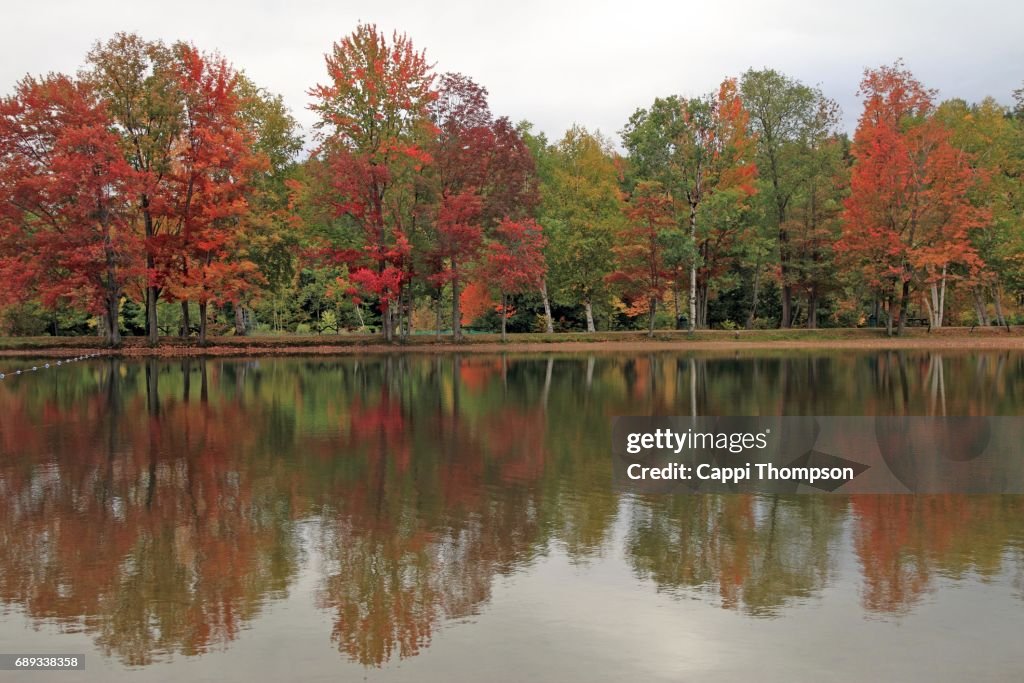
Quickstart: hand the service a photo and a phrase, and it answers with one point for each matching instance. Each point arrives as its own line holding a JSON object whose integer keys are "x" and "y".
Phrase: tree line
{"x": 160, "y": 191}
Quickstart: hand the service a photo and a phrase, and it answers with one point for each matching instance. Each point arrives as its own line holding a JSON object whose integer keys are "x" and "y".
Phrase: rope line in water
{"x": 46, "y": 366}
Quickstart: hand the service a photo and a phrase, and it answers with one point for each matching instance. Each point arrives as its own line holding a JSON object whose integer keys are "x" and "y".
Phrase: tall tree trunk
{"x": 152, "y": 330}
{"x": 408, "y": 313}
{"x": 979, "y": 307}
{"x": 202, "y": 323}
{"x": 999, "y": 307}
{"x": 549, "y": 324}
{"x": 113, "y": 291}
{"x": 752, "y": 313}
{"x": 385, "y": 322}
{"x": 186, "y": 325}
{"x": 239, "y": 320}
{"x": 438, "y": 313}
{"x": 904, "y": 302}
{"x": 650, "y": 320}
{"x": 702, "y": 306}
{"x": 114, "y": 336}
{"x": 404, "y": 314}
{"x": 675, "y": 305}
{"x": 693, "y": 269}
{"x": 888, "y": 316}
{"x": 456, "y": 310}
{"x": 504, "y": 314}
{"x": 359, "y": 315}
{"x": 787, "y": 289}
{"x": 589, "y": 310}
{"x": 812, "y": 310}
{"x": 942, "y": 299}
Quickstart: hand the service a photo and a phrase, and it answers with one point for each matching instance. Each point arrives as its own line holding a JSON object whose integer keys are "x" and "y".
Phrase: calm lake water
{"x": 452, "y": 518}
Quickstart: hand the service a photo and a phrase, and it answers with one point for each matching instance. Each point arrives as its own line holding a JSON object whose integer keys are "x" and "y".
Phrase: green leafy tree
{"x": 581, "y": 209}
{"x": 994, "y": 139}
{"x": 695, "y": 148}
{"x": 793, "y": 124}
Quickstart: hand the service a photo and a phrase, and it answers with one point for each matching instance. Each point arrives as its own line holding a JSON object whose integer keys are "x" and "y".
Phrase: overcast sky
{"x": 556, "y": 63}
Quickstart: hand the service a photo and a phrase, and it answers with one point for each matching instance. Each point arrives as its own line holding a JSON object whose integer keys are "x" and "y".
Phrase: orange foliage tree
{"x": 908, "y": 216}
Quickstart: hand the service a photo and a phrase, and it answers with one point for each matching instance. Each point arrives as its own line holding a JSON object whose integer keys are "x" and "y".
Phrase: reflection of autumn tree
{"x": 890, "y": 383}
{"x": 390, "y": 588}
{"x": 155, "y": 504}
{"x": 905, "y": 542}
{"x": 141, "y": 523}
{"x": 408, "y": 544}
{"x": 757, "y": 553}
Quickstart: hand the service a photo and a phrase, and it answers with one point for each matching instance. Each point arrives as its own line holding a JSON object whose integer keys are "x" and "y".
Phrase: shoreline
{"x": 952, "y": 339}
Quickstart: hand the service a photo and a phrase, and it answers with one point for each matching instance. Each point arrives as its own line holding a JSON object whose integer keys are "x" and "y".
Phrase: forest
{"x": 160, "y": 191}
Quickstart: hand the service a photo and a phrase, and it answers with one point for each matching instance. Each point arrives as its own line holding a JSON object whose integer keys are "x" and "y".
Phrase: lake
{"x": 447, "y": 517}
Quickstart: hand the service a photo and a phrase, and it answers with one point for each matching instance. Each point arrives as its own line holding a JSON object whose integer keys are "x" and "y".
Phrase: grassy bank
{"x": 725, "y": 340}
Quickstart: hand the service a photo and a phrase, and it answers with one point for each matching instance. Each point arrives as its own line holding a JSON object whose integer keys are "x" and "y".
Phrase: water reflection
{"x": 755, "y": 553}
{"x": 159, "y": 506}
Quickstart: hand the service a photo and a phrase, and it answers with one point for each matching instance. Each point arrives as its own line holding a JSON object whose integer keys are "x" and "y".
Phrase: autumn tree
{"x": 273, "y": 237}
{"x": 212, "y": 164}
{"x": 463, "y": 119}
{"x": 481, "y": 172}
{"x": 138, "y": 81}
{"x": 580, "y": 211}
{"x": 65, "y": 200}
{"x": 514, "y": 261}
{"x": 696, "y": 148}
{"x": 994, "y": 141}
{"x": 643, "y": 275}
{"x": 794, "y": 125}
{"x": 458, "y": 240}
{"x": 374, "y": 124}
{"x": 909, "y": 213}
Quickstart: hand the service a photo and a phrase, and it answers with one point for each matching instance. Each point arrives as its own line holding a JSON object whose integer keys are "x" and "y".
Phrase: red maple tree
{"x": 483, "y": 172}
{"x": 374, "y": 121}
{"x": 65, "y": 201}
{"x": 642, "y": 273}
{"x": 514, "y": 261}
